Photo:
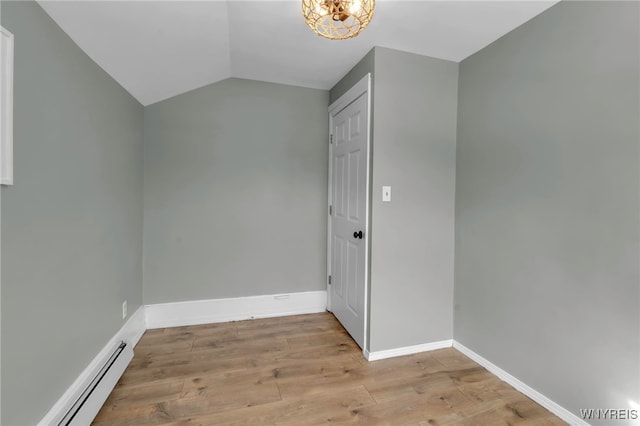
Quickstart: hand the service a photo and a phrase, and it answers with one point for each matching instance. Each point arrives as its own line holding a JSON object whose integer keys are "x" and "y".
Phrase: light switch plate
{"x": 386, "y": 194}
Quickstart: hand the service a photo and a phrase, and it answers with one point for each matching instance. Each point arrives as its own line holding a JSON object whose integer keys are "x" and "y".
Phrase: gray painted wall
{"x": 235, "y": 192}
{"x": 363, "y": 67}
{"x": 547, "y": 207}
{"x": 413, "y": 236}
{"x": 72, "y": 223}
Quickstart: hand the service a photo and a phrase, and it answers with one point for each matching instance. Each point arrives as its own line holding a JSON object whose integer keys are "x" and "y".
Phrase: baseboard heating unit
{"x": 85, "y": 408}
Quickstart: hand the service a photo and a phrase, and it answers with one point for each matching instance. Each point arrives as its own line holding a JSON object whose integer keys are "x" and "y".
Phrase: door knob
{"x": 357, "y": 234}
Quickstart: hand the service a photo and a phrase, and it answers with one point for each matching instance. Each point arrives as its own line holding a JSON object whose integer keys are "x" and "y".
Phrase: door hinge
{"x": 330, "y": 210}
{"x": 331, "y": 139}
{"x": 329, "y": 279}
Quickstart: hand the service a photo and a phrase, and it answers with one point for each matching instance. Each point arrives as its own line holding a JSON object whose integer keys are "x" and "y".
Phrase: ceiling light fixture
{"x": 338, "y": 19}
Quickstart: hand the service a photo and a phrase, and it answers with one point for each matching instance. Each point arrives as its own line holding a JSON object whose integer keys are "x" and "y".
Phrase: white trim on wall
{"x": 131, "y": 332}
{"x": 6, "y": 108}
{"x": 547, "y": 403}
{"x": 406, "y": 350}
{"x": 234, "y": 309}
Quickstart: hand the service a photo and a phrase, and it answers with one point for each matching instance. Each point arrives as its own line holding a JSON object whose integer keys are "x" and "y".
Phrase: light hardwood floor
{"x": 303, "y": 370}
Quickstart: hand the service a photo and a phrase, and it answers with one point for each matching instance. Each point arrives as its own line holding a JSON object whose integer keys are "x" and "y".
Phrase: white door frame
{"x": 361, "y": 87}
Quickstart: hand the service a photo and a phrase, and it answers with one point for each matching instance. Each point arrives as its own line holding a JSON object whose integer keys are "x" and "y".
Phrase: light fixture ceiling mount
{"x": 338, "y": 19}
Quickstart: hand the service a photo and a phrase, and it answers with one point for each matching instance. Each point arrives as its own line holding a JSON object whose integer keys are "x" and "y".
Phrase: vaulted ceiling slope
{"x": 159, "y": 49}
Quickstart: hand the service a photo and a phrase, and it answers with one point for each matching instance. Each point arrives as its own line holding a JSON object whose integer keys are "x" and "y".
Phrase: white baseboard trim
{"x": 131, "y": 332}
{"x": 134, "y": 328}
{"x": 407, "y": 350}
{"x": 235, "y": 309}
{"x": 555, "y": 408}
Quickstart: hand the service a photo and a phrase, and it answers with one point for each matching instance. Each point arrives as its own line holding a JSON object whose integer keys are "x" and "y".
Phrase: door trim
{"x": 361, "y": 87}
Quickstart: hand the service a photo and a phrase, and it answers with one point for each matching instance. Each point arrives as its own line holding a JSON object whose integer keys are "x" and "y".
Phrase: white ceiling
{"x": 158, "y": 49}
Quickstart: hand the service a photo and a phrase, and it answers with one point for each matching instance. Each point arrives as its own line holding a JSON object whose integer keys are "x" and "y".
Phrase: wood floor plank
{"x": 145, "y": 393}
{"x": 235, "y": 347}
{"x": 432, "y": 408}
{"x": 303, "y": 379}
{"x": 303, "y": 370}
{"x": 303, "y": 411}
{"x": 305, "y": 339}
{"x": 166, "y": 346}
{"x": 409, "y": 386}
{"x": 202, "y": 405}
{"x": 180, "y": 367}
{"x": 203, "y": 329}
{"x": 237, "y": 381}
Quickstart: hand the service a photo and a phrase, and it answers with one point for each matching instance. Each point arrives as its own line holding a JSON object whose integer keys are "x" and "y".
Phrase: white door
{"x": 348, "y": 221}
